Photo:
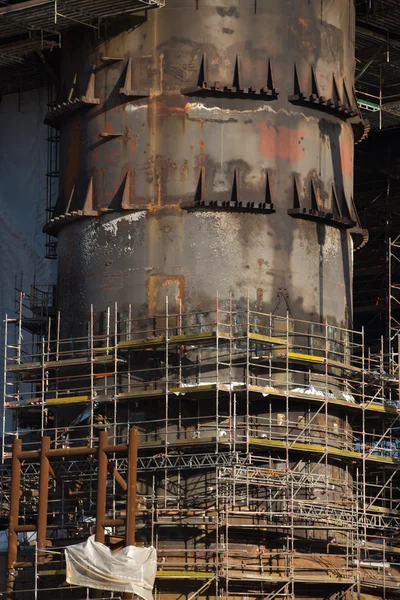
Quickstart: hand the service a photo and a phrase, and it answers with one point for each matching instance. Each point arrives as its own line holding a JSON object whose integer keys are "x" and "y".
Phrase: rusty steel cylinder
{"x": 210, "y": 151}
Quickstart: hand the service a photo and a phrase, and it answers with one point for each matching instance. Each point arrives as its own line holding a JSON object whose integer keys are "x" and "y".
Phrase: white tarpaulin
{"x": 93, "y": 565}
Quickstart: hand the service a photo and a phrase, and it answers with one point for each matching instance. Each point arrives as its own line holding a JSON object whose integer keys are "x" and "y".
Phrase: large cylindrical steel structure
{"x": 207, "y": 151}
{"x": 212, "y": 154}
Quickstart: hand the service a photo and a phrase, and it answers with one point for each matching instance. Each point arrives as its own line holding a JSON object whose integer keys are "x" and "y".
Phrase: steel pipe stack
{"x": 207, "y": 152}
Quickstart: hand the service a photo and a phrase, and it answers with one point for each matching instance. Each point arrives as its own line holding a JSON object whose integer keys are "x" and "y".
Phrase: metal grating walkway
{"x": 30, "y": 27}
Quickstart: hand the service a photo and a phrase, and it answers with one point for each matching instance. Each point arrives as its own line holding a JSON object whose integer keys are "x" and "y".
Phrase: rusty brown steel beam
{"x": 131, "y": 494}
{"x": 67, "y": 452}
{"x": 132, "y": 482}
{"x": 68, "y": 493}
{"x": 58, "y": 453}
{"x": 43, "y": 497}
{"x": 13, "y": 519}
{"x": 117, "y": 476}
{"x": 101, "y": 486}
{"x": 25, "y": 528}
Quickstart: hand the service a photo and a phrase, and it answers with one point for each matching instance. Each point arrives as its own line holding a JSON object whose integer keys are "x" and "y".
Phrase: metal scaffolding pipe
{"x": 25, "y": 528}
{"x": 101, "y": 486}
{"x": 118, "y": 478}
{"x": 43, "y": 497}
{"x": 14, "y": 513}
{"x": 67, "y": 452}
{"x": 131, "y": 493}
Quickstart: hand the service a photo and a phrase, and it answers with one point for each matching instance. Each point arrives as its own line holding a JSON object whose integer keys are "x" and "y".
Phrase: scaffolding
{"x": 269, "y": 448}
{"x": 394, "y": 299}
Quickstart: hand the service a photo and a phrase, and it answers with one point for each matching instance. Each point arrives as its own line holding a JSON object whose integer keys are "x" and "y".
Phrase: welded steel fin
{"x": 235, "y": 187}
{"x": 202, "y": 79}
{"x": 236, "y": 75}
{"x": 90, "y": 94}
{"x": 337, "y": 99}
{"x": 347, "y": 100}
{"x": 88, "y": 204}
{"x": 346, "y": 96}
{"x": 298, "y": 94}
{"x": 268, "y": 197}
{"x": 296, "y": 195}
{"x": 72, "y": 91}
{"x": 355, "y": 103}
{"x": 314, "y": 86}
{"x": 70, "y": 199}
{"x": 314, "y": 196}
{"x": 200, "y": 190}
{"x": 336, "y": 210}
{"x": 345, "y": 207}
{"x": 270, "y": 78}
{"x": 126, "y": 89}
{"x": 127, "y": 194}
{"x": 297, "y": 86}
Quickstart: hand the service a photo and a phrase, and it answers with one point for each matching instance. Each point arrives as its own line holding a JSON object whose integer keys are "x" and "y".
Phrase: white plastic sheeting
{"x": 93, "y": 565}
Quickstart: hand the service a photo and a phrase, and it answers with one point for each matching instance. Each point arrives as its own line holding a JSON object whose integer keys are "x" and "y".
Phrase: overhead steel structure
{"x": 29, "y": 28}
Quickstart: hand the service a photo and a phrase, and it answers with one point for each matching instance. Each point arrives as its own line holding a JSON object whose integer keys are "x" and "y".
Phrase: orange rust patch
{"x": 155, "y": 208}
{"x": 108, "y": 128}
{"x": 184, "y": 169}
{"x": 161, "y": 286}
{"x": 281, "y": 142}
{"x": 346, "y": 157}
{"x": 304, "y": 23}
{"x": 163, "y": 108}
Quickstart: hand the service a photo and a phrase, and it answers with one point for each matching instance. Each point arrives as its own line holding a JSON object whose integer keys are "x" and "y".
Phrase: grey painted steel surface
{"x": 163, "y": 146}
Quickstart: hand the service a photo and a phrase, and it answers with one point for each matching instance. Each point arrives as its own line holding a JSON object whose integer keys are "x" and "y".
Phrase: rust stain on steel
{"x": 164, "y": 109}
{"x": 165, "y": 208}
{"x": 281, "y": 142}
{"x": 161, "y": 286}
{"x": 184, "y": 169}
{"x": 260, "y": 298}
{"x": 346, "y": 157}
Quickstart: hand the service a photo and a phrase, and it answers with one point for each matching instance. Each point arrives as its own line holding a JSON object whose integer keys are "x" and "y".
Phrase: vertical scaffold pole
{"x": 4, "y": 390}
{"x": 166, "y": 373}
{"x": 130, "y": 531}
{"x": 132, "y": 484}
{"x": 43, "y": 498}
{"x": 13, "y": 518}
{"x": 91, "y": 325}
{"x": 101, "y": 487}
